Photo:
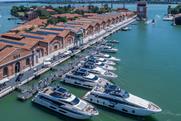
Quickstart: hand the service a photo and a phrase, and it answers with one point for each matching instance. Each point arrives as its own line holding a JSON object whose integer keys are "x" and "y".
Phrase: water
{"x": 150, "y": 68}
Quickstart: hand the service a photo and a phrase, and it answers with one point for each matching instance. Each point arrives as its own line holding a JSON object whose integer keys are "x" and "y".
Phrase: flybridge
{"x": 12, "y": 42}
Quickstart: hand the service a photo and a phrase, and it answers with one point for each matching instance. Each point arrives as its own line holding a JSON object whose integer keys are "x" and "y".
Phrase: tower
{"x": 142, "y": 10}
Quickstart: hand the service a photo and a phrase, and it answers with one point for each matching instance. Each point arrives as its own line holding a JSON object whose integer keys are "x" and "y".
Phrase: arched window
{"x": 55, "y": 47}
{"x": 17, "y": 67}
{"x": 28, "y": 61}
{"x": 5, "y": 71}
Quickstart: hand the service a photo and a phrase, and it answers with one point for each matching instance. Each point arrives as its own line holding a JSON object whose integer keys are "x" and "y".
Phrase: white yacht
{"x": 98, "y": 70}
{"x": 116, "y": 98}
{"x": 99, "y": 59}
{"x": 107, "y": 57}
{"x": 168, "y": 18}
{"x": 104, "y": 66}
{"x": 83, "y": 78}
{"x": 100, "y": 64}
{"x": 108, "y": 49}
{"x": 63, "y": 102}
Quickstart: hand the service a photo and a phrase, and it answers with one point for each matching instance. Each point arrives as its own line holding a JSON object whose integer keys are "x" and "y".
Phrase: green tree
{"x": 43, "y": 14}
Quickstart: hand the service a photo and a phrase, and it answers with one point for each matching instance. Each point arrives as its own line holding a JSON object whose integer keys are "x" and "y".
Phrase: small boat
{"x": 21, "y": 22}
{"x": 168, "y": 18}
{"x": 12, "y": 18}
{"x": 83, "y": 78}
{"x": 153, "y": 21}
{"x": 114, "y": 97}
{"x": 25, "y": 95}
{"x": 125, "y": 28}
{"x": 60, "y": 100}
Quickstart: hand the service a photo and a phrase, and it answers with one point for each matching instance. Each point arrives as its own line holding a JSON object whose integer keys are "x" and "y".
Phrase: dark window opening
{"x": 124, "y": 110}
{"x": 27, "y": 61}
{"x": 5, "y": 71}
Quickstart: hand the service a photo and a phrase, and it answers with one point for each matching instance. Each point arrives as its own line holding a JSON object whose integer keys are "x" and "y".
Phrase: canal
{"x": 150, "y": 68}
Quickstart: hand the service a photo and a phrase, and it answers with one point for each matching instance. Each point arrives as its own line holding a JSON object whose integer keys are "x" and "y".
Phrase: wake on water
{"x": 167, "y": 112}
{"x": 156, "y": 18}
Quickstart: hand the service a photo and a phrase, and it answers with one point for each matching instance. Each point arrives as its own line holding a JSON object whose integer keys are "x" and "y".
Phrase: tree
{"x": 56, "y": 20}
{"x": 43, "y": 14}
{"x": 62, "y": 19}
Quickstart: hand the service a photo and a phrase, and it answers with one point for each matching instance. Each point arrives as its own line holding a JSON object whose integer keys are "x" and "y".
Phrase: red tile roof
{"x": 33, "y": 23}
{"x": 67, "y": 15}
{"x": 6, "y": 51}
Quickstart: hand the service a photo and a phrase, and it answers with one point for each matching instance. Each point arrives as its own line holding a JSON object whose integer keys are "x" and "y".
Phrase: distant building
{"x": 28, "y": 44}
{"x": 31, "y": 15}
{"x": 142, "y": 10}
{"x": 177, "y": 19}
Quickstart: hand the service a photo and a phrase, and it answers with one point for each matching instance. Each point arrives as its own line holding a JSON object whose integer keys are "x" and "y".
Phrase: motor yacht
{"x": 82, "y": 78}
{"x": 114, "y": 97}
{"x": 99, "y": 71}
{"x": 60, "y": 100}
{"x": 107, "y": 57}
{"x": 108, "y": 49}
{"x": 102, "y": 65}
{"x": 99, "y": 59}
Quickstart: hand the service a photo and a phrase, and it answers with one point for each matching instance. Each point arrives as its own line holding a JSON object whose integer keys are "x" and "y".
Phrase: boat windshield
{"x": 108, "y": 56}
{"x": 92, "y": 60}
{"x": 75, "y": 101}
{"x": 102, "y": 60}
{"x": 61, "y": 93}
{"x": 89, "y": 65}
{"x": 102, "y": 64}
{"x": 80, "y": 73}
{"x": 116, "y": 91}
{"x": 95, "y": 78}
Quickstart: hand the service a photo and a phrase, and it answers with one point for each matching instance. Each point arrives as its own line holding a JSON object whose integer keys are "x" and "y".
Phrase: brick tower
{"x": 142, "y": 10}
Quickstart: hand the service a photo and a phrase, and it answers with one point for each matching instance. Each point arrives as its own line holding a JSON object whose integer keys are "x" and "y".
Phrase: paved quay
{"x": 59, "y": 57}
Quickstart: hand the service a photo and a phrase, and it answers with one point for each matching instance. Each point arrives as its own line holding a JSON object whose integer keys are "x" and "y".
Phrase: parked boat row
{"x": 94, "y": 72}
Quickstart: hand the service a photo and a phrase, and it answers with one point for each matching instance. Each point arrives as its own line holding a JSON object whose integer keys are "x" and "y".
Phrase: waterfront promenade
{"x": 58, "y": 57}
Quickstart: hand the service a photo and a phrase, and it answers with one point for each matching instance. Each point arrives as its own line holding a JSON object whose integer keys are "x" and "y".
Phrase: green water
{"x": 150, "y": 68}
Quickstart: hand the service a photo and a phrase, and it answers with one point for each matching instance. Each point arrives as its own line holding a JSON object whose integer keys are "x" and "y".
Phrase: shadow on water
{"x": 58, "y": 115}
{"x": 135, "y": 118}
{"x": 73, "y": 86}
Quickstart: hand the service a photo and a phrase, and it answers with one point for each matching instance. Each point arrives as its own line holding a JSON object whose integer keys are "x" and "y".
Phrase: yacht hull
{"x": 137, "y": 111}
{"x": 88, "y": 85}
{"x": 70, "y": 113}
{"x": 109, "y": 50}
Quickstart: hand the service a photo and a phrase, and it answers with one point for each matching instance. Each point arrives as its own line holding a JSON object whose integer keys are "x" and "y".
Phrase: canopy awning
{"x": 4, "y": 80}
